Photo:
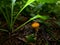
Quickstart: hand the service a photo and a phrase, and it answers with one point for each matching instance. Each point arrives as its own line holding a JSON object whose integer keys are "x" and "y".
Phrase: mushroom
{"x": 35, "y": 25}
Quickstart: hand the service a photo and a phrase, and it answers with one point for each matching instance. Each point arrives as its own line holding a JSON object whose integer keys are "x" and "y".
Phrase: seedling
{"x": 11, "y": 20}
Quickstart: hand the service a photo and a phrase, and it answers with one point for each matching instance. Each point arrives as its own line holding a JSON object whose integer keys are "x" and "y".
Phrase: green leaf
{"x": 13, "y": 2}
{"x": 41, "y": 17}
{"x": 4, "y": 30}
{"x": 4, "y": 14}
{"x": 27, "y": 3}
{"x": 12, "y": 8}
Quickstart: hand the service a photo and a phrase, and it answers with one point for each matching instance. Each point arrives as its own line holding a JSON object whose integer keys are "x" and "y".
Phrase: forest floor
{"x": 19, "y": 37}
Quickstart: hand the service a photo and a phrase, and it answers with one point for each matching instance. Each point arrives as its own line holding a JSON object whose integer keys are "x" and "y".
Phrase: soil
{"x": 18, "y": 38}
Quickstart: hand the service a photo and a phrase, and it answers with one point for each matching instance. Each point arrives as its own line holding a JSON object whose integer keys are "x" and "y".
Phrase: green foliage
{"x": 46, "y": 1}
{"x": 4, "y": 30}
{"x": 27, "y": 3}
{"x": 30, "y": 38}
{"x": 35, "y": 9}
{"x": 9, "y": 18}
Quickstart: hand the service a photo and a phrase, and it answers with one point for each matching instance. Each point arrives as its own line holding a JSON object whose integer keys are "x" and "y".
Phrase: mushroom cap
{"x": 35, "y": 25}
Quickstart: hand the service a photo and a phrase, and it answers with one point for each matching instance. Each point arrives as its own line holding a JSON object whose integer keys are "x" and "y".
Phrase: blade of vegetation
{"x": 27, "y": 3}
{"x": 7, "y": 16}
{"x": 12, "y": 8}
{"x": 4, "y": 15}
{"x": 35, "y": 17}
{"x": 4, "y": 30}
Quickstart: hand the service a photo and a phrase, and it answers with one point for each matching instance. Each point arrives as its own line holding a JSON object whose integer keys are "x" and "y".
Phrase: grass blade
{"x": 4, "y": 15}
{"x": 7, "y": 15}
{"x": 28, "y": 2}
{"x": 4, "y": 30}
{"x": 12, "y": 8}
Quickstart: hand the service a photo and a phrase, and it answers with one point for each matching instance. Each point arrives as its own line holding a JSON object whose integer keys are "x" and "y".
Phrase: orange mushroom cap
{"x": 35, "y": 25}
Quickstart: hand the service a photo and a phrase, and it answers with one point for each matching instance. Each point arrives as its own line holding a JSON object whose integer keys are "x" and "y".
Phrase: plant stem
{"x": 21, "y": 25}
{"x": 12, "y": 8}
{"x": 37, "y": 16}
